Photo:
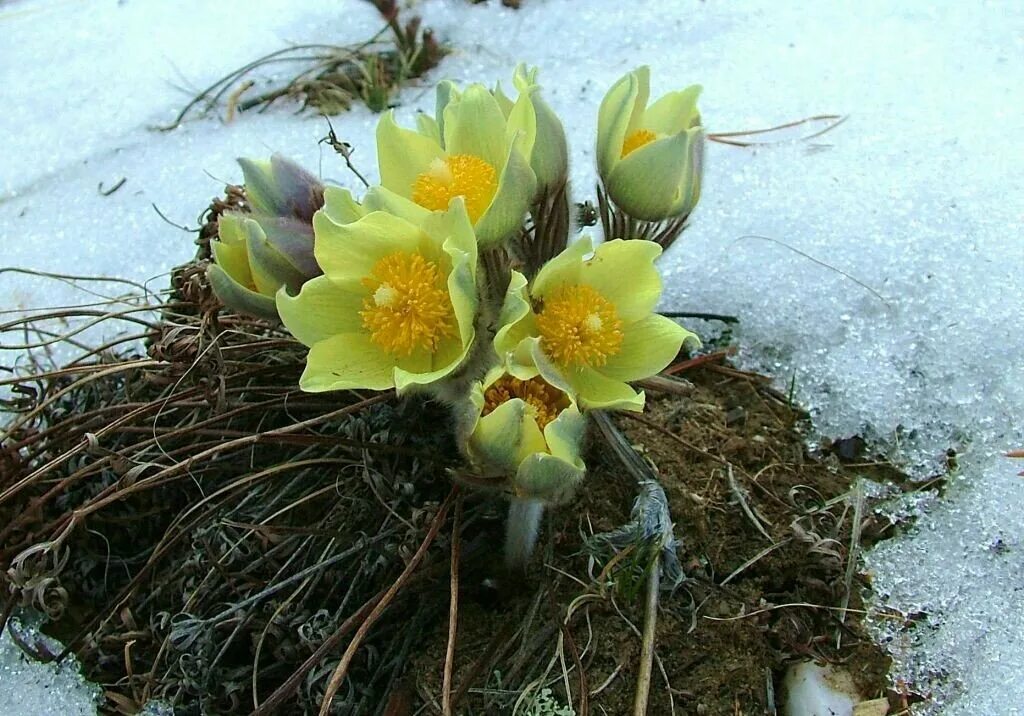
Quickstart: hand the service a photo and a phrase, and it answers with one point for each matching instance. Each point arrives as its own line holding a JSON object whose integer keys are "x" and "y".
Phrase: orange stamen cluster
{"x": 578, "y": 326}
{"x": 462, "y": 175}
{"x": 408, "y": 307}
{"x": 544, "y": 401}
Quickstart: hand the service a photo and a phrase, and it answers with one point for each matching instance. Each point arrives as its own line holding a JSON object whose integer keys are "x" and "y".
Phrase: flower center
{"x": 637, "y": 139}
{"x": 579, "y": 326}
{"x": 408, "y": 306}
{"x": 543, "y": 401}
{"x": 462, "y": 175}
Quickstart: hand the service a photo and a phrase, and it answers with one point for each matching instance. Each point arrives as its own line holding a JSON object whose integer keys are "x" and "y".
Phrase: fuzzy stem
{"x": 521, "y": 531}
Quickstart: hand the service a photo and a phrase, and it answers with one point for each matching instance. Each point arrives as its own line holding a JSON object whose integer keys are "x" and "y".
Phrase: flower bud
{"x": 529, "y": 432}
{"x": 271, "y": 246}
{"x": 549, "y": 155}
{"x": 650, "y": 158}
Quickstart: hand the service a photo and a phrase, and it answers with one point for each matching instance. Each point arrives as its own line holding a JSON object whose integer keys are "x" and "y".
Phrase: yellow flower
{"x": 586, "y": 323}
{"x": 396, "y": 304}
{"x": 650, "y": 158}
{"x": 549, "y": 154}
{"x": 470, "y": 151}
{"x": 529, "y": 431}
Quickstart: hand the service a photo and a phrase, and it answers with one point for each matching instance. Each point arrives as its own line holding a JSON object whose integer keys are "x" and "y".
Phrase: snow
{"x": 919, "y": 196}
{"x": 31, "y": 688}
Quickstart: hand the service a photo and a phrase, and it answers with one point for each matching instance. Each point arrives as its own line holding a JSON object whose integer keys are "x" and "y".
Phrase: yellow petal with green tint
{"x": 262, "y": 263}
{"x": 237, "y": 297}
{"x": 503, "y": 100}
{"x": 588, "y": 388}
{"x": 455, "y": 234}
{"x": 505, "y": 437}
{"x": 674, "y": 113}
{"x": 380, "y": 199}
{"x": 321, "y": 310}
{"x": 643, "y": 94}
{"x": 689, "y": 195}
{"x": 624, "y": 273}
{"x": 516, "y": 188}
{"x": 347, "y": 361}
{"x": 231, "y": 254}
{"x": 564, "y": 269}
{"x": 495, "y": 440}
{"x": 341, "y": 207}
{"x": 515, "y": 320}
{"x": 647, "y": 347}
{"x": 474, "y": 125}
{"x": 521, "y": 120}
{"x": 564, "y": 436}
{"x": 647, "y": 183}
{"x": 446, "y": 92}
{"x": 402, "y": 155}
{"x": 350, "y": 251}
{"x": 547, "y": 479}
{"x": 428, "y": 127}
{"x": 613, "y": 122}
{"x": 595, "y": 391}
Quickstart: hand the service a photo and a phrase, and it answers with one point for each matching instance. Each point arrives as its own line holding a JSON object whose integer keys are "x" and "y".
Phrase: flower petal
{"x": 230, "y": 250}
{"x": 446, "y": 92}
{"x": 402, "y": 155}
{"x": 380, "y": 199}
{"x": 321, "y": 310}
{"x": 237, "y": 297}
{"x": 598, "y": 392}
{"x": 689, "y": 196}
{"x": 424, "y": 369}
{"x": 647, "y": 347}
{"x": 428, "y": 127}
{"x": 516, "y": 187}
{"x": 564, "y": 436}
{"x": 647, "y": 183}
{"x": 349, "y": 252}
{"x": 455, "y": 233}
{"x": 623, "y": 272}
{"x": 341, "y": 207}
{"x": 547, "y": 478}
{"x": 293, "y": 239}
{"x": 347, "y": 361}
{"x": 515, "y": 320}
{"x": 613, "y": 122}
{"x": 564, "y": 269}
{"x": 673, "y": 113}
{"x": 474, "y": 124}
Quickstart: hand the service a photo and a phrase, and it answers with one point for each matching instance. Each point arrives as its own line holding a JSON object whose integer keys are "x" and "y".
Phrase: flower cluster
{"x": 456, "y": 275}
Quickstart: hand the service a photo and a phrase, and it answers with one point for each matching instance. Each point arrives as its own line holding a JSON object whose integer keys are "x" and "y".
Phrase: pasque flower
{"x": 271, "y": 246}
{"x": 586, "y": 323}
{"x": 528, "y": 431}
{"x": 650, "y": 158}
{"x": 469, "y": 151}
{"x": 396, "y": 304}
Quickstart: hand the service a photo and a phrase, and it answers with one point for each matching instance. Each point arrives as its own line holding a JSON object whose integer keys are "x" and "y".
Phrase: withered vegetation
{"x": 328, "y": 78}
{"x": 198, "y": 530}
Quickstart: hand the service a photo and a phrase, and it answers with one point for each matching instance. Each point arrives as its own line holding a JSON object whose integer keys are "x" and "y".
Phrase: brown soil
{"x": 241, "y": 578}
{"x": 725, "y": 636}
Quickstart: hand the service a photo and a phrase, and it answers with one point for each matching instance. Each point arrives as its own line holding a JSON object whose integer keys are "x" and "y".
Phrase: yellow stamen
{"x": 462, "y": 175}
{"x": 408, "y": 307}
{"x": 543, "y": 401}
{"x": 637, "y": 139}
{"x": 579, "y": 326}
